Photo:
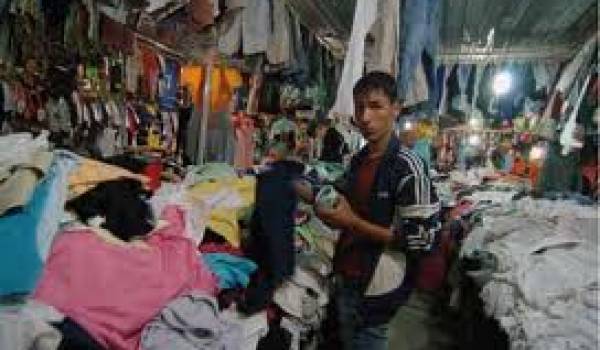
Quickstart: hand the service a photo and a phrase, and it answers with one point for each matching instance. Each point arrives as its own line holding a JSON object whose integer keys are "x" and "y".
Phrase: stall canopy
{"x": 522, "y": 27}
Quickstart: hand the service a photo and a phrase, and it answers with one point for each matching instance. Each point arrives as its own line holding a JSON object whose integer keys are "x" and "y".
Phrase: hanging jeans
{"x": 419, "y": 91}
{"x": 542, "y": 76}
{"x": 421, "y": 24}
{"x": 478, "y": 75}
{"x": 459, "y": 102}
{"x": 443, "y": 104}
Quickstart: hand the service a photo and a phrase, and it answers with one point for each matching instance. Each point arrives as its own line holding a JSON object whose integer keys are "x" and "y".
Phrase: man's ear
{"x": 397, "y": 107}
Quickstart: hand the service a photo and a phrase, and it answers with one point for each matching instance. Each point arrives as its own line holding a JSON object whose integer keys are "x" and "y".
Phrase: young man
{"x": 388, "y": 213}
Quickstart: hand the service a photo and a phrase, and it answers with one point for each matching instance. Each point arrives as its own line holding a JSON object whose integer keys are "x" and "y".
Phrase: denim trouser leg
{"x": 460, "y": 102}
{"x": 353, "y": 334}
{"x": 371, "y": 338}
{"x": 420, "y": 21}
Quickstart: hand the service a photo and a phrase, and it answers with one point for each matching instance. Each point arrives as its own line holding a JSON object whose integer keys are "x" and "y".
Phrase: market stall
{"x": 154, "y": 158}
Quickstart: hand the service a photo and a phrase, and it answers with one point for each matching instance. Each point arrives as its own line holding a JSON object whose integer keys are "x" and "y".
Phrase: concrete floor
{"x": 414, "y": 327}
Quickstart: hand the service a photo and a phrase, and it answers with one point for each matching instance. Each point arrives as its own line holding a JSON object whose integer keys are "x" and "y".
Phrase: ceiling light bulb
{"x": 474, "y": 140}
{"x": 537, "y": 153}
{"x": 502, "y": 83}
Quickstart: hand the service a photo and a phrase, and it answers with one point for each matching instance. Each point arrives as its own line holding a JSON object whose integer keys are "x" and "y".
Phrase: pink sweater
{"x": 112, "y": 291}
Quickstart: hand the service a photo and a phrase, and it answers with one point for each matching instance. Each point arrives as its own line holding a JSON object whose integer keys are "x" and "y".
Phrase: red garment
{"x": 433, "y": 267}
{"x": 151, "y": 71}
{"x": 244, "y": 141}
{"x": 115, "y": 35}
{"x": 32, "y": 104}
{"x": 220, "y": 248}
{"x": 113, "y": 291}
{"x": 349, "y": 260}
{"x": 153, "y": 171}
{"x": 590, "y": 174}
{"x": 132, "y": 122}
{"x": 557, "y": 106}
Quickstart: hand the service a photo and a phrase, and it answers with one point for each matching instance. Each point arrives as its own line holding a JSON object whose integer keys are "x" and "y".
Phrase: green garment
{"x": 559, "y": 173}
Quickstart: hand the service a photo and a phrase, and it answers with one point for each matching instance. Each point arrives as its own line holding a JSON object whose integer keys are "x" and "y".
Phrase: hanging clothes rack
{"x": 469, "y": 54}
{"x": 162, "y": 47}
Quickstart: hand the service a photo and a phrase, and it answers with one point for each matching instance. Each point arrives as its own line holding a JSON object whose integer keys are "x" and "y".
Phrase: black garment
{"x": 2, "y": 98}
{"x": 272, "y": 228}
{"x": 59, "y": 139}
{"x": 128, "y": 162}
{"x": 211, "y": 236}
{"x": 185, "y": 114}
{"x": 273, "y": 218}
{"x": 74, "y": 337}
{"x": 122, "y": 204}
{"x": 334, "y": 146}
{"x": 277, "y": 339}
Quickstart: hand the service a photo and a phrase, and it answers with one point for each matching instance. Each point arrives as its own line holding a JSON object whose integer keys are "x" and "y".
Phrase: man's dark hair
{"x": 376, "y": 81}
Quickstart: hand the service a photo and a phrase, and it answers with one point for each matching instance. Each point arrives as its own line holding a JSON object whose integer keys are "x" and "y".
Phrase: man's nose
{"x": 367, "y": 116}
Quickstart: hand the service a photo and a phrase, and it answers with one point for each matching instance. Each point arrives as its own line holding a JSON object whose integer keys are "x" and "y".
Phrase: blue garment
{"x": 507, "y": 163}
{"x": 439, "y": 85}
{"x": 273, "y": 223}
{"x": 232, "y": 271}
{"x": 272, "y": 227}
{"x": 64, "y": 162}
{"x": 423, "y": 148}
{"x": 167, "y": 94}
{"x": 421, "y": 26}
{"x": 26, "y": 234}
{"x": 463, "y": 73}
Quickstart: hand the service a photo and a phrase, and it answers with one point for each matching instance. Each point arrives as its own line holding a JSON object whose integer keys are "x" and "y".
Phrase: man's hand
{"x": 340, "y": 216}
{"x": 304, "y": 191}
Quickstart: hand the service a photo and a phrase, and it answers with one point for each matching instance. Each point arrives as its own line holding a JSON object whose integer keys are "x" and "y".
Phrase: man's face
{"x": 303, "y": 125}
{"x": 375, "y": 115}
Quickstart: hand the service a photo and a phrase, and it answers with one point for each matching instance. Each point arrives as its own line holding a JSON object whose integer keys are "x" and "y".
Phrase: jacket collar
{"x": 392, "y": 149}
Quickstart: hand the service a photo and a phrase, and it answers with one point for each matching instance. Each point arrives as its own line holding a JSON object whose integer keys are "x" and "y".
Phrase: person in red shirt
{"x": 387, "y": 211}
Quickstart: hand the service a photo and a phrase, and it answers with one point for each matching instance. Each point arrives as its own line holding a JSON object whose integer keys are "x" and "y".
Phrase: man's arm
{"x": 415, "y": 219}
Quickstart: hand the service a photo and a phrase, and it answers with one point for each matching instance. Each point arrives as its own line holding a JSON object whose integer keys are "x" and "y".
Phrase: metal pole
{"x": 205, "y": 114}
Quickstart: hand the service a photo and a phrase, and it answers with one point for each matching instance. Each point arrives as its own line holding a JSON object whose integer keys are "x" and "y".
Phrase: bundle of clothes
{"x": 92, "y": 259}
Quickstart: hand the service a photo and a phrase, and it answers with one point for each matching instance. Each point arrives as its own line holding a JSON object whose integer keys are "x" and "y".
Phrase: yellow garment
{"x": 223, "y": 220}
{"x": 18, "y": 184}
{"x": 153, "y": 139}
{"x": 223, "y": 82}
{"x": 191, "y": 77}
{"x": 426, "y": 130}
{"x": 92, "y": 172}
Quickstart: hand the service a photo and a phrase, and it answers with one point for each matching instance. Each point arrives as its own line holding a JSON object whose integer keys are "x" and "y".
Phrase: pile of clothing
{"x": 290, "y": 250}
{"x": 94, "y": 259}
{"x": 33, "y": 188}
{"x": 538, "y": 272}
